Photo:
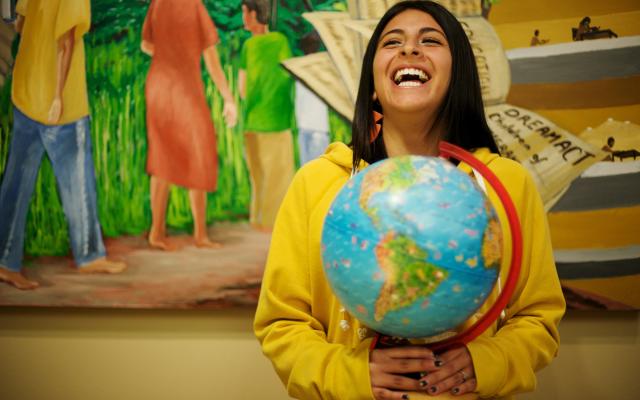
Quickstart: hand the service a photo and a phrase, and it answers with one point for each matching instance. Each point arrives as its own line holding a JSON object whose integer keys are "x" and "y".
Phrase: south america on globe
{"x": 411, "y": 246}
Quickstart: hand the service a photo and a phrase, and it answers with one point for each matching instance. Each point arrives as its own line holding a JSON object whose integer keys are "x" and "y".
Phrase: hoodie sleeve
{"x": 291, "y": 336}
{"x": 505, "y": 363}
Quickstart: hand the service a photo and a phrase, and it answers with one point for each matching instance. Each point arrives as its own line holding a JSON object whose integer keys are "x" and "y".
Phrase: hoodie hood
{"x": 342, "y": 155}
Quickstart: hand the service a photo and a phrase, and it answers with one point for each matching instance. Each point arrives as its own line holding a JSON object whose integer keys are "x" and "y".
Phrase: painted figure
{"x": 268, "y": 93}
{"x": 535, "y": 39}
{"x": 611, "y": 141}
{"x": 584, "y": 27}
{"x": 181, "y": 137}
{"x": 312, "y": 114}
{"x": 51, "y": 115}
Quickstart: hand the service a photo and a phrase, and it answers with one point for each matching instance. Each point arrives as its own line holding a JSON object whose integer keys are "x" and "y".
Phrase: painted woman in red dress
{"x": 181, "y": 137}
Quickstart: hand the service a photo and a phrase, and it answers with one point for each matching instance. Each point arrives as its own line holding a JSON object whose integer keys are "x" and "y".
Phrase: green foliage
{"x": 339, "y": 127}
{"x": 116, "y": 73}
{"x": 293, "y": 25}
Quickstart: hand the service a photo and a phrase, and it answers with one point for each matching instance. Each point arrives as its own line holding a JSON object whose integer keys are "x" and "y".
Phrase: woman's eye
{"x": 390, "y": 42}
{"x": 431, "y": 40}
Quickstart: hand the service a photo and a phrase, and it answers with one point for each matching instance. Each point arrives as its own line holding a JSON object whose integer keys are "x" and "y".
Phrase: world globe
{"x": 411, "y": 246}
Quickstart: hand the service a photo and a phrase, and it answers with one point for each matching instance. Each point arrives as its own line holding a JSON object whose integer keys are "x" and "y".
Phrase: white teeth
{"x": 410, "y": 71}
{"x": 409, "y": 84}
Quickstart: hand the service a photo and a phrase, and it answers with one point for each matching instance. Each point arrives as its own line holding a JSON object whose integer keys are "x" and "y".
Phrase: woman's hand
{"x": 454, "y": 374}
{"x": 387, "y": 366}
{"x": 230, "y": 113}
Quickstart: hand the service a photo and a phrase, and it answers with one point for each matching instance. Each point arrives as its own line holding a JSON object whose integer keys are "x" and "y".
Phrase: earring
{"x": 377, "y": 126}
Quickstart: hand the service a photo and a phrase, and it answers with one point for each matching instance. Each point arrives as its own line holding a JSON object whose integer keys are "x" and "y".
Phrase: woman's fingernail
{"x": 405, "y": 397}
{"x": 423, "y": 383}
{"x": 433, "y": 389}
{"x": 438, "y": 363}
{"x": 455, "y": 390}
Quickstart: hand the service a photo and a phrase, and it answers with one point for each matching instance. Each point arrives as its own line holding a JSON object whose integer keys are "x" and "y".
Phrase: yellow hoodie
{"x": 321, "y": 352}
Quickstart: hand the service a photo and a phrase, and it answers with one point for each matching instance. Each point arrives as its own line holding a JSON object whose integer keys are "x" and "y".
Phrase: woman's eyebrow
{"x": 424, "y": 30}
{"x": 430, "y": 29}
{"x": 397, "y": 30}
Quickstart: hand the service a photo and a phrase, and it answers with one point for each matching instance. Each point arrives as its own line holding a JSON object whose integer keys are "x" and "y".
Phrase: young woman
{"x": 419, "y": 72}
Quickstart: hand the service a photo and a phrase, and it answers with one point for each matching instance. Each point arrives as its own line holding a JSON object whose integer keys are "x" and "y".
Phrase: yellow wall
{"x": 60, "y": 354}
{"x": 515, "y": 21}
{"x": 509, "y": 11}
{"x": 518, "y": 34}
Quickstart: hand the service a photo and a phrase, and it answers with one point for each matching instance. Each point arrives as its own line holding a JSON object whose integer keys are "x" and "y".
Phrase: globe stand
{"x": 449, "y": 150}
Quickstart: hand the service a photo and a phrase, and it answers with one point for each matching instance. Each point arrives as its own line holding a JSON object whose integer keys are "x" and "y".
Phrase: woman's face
{"x": 412, "y": 64}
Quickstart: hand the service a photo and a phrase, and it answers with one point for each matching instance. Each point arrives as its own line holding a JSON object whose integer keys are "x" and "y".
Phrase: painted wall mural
{"x": 193, "y": 115}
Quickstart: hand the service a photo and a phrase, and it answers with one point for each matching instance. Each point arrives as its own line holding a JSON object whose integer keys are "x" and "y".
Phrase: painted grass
{"x": 116, "y": 73}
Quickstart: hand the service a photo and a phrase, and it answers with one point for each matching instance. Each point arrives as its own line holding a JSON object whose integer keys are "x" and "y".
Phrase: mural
{"x": 193, "y": 115}
{"x": 173, "y": 188}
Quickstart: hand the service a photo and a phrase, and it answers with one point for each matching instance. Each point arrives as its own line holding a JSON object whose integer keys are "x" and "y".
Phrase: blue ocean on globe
{"x": 411, "y": 246}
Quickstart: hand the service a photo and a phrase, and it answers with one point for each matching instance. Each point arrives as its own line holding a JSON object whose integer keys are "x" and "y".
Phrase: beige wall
{"x": 53, "y": 354}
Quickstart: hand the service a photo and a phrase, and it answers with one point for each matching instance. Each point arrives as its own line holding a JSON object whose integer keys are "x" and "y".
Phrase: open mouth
{"x": 410, "y": 77}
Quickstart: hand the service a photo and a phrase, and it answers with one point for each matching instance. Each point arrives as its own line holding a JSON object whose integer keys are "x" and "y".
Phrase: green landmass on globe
{"x": 391, "y": 177}
{"x": 408, "y": 275}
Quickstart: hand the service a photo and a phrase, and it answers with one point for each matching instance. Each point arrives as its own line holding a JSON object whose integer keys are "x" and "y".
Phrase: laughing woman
{"x": 419, "y": 72}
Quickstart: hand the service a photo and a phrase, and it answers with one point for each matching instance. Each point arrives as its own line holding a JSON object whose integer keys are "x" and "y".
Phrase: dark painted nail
{"x": 433, "y": 389}
{"x": 455, "y": 390}
{"x": 438, "y": 363}
{"x": 405, "y": 397}
{"x": 423, "y": 383}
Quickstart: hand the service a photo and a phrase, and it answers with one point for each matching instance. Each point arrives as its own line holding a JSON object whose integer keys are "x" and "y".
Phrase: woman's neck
{"x": 410, "y": 134}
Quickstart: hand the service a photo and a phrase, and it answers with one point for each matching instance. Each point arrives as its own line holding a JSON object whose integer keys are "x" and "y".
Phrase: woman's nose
{"x": 410, "y": 48}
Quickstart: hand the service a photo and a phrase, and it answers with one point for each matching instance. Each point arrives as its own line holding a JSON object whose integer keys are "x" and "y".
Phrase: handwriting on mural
{"x": 484, "y": 72}
{"x": 513, "y": 121}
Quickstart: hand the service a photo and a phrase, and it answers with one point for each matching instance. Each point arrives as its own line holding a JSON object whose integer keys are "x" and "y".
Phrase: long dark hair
{"x": 461, "y": 113}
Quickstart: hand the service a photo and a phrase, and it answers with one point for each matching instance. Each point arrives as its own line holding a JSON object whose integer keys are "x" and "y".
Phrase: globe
{"x": 411, "y": 246}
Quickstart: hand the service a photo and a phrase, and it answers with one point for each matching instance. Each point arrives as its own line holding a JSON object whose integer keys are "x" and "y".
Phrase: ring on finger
{"x": 463, "y": 375}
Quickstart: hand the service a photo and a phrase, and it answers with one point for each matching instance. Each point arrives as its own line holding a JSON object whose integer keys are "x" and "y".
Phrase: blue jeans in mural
{"x": 69, "y": 149}
{"x": 312, "y": 144}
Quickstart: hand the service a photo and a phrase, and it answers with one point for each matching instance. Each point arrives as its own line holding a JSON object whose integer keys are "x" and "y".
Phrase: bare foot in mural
{"x": 206, "y": 243}
{"x": 102, "y": 266}
{"x": 261, "y": 228}
{"x": 160, "y": 242}
{"x": 16, "y": 279}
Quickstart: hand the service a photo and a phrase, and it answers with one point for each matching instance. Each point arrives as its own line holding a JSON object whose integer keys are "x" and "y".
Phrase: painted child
{"x": 268, "y": 93}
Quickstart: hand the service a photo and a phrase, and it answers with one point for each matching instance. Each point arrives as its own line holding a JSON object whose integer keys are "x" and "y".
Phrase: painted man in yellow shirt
{"x": 51, "y": 115}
